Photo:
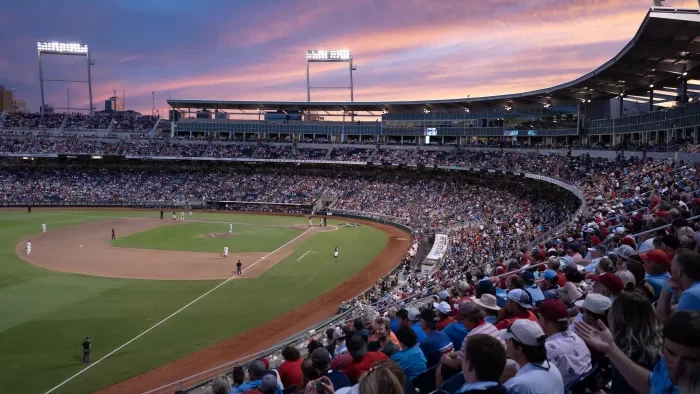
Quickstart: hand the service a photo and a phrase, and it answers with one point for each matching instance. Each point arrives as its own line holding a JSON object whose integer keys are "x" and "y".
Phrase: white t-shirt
{"x": 225, "y": 249}
{"x": 570, "y": 354}
{"x": 532, "y": 379}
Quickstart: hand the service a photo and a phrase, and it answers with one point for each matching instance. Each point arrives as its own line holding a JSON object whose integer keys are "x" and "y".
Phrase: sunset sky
{"x": 254, "y": 50}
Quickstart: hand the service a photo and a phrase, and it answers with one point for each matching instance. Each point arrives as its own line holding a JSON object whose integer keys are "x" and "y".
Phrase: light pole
{"x": 14, "y": 101}
{"x": 153, "y": 103}
{"x": 68, "y": 100}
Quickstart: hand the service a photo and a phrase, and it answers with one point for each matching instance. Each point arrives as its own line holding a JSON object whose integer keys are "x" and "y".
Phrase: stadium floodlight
{"x": 324, "y": 56}
{"x": 64, "y": 49}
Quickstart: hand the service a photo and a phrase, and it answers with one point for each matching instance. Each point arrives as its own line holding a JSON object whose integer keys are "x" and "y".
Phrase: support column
{"x": 651, "y": 98}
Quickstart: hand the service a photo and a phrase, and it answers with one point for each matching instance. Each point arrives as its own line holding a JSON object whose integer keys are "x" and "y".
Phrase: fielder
{"x": 230, "y": 228}
{"x": 320, "y": 222}
{"x": 43, "y": 227}
{"x": 310, "y": 223}
{"x": 238, "y": 268}
{"x": 182, "y": 215}
{"x": 190, "y": 211}
{"x": 335, "y": 254}
{"x": 174, "y": 216}
{"x": 29, "y": 246}
{"x": 226, "y": 251}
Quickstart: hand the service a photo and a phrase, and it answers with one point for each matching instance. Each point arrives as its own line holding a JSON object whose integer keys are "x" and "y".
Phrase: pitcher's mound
{"x": 220, "y": 235}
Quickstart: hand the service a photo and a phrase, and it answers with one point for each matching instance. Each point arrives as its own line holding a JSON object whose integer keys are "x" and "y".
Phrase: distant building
{"x": 21, "y": 105}
{"x": 114, "y": 103}
{"x": 5, "y": 99}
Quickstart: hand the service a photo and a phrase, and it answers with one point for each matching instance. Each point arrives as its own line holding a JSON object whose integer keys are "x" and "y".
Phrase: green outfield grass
{"x": 45, "y": 315}
{"x": 194, "y": 237}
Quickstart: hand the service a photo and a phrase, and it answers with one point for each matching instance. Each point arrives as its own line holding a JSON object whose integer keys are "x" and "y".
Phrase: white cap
{"x": 413, "y": 314}
{"x": 596, "y": 303}
{"x": 443, "y": 307}
{"x": 526, "y": 332}
{"x": 627, "y": 277}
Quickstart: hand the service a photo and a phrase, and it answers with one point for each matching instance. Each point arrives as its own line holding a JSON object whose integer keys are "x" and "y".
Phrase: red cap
{"x": 553, "y": 310}
{"x": 629, "y": 241}
{"x": 267, "y": 363}
{"x": 656, "y": 256}
{"x": 611, "y": 282}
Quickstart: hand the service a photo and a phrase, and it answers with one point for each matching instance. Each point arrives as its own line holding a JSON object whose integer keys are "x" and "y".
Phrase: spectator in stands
{"x": 482, "y": 365}
{"x": 684, "y": 281}
{"x": 238, "y": 376}
{"x": 637, "y": 331}
{"x": 268, "y": 385}
{"x": 290, "y": 370}
{"x": 221, "y": 385}
{"x": 531, "y": 287}
{"x": 609, "y": 285}
{"x": 489, "y": 304}
{"x": 382, "y": 333}
{"x": 565, "y": 349}
{"x": 411, "y": 358}
{"x": 457, "y": 331}
{"x": 321, "y": 362}
{"x": 676, "y": 372}
{"x": 517, "y": 307}
{"x": 339, "y": 342}
{"x": 526, "y": 345}
{"x": 380, "y": 380}
{"x": 444, "y": 312}
{"x": 550, "y": 288}
{"x": 394, "y": 321}
{"x": 436, "y": 343}
{"x": 362, "y": 360}
{"x": 414, "y": 318}
{"x": 255, "y": 371}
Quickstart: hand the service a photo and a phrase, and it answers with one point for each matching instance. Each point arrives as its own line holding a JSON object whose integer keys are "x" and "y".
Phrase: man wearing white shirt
{"x": 526, "y": 345}
{"x": 226, "y": 251}
{"x": 43, "y": 227}
{"x": 565, "y": 349}
{"x": 596, "y": 254}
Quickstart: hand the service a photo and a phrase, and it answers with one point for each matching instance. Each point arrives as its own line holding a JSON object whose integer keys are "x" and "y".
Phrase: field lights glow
{"x": 62, "y": 47}
{"x": 323, "y": 55}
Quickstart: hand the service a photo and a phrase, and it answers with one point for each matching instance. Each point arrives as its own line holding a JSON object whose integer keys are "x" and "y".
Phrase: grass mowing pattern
{"x": 46, "y": 314}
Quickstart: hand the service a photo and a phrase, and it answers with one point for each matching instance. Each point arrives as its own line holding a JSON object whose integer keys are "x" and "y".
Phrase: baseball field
{"x": 163, "y": 294}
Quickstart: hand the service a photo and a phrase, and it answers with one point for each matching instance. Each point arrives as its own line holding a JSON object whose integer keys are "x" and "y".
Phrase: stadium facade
{"x": 646, "y": 93}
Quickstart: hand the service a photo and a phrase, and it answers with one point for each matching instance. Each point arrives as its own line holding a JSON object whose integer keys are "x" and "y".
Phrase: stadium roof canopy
{"x": 666, "y": 45}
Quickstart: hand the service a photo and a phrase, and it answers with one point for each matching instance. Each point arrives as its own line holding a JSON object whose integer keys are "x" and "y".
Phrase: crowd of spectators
{"x": 351, "y": 154}
{"x": 79, "y": 121}
{"x": 32, "y": 121}
{"x": 140, "y": 147}
{"x": 129, "y": 122}
{"x": 95, "y": 147}
{"x": 184, "y": 150}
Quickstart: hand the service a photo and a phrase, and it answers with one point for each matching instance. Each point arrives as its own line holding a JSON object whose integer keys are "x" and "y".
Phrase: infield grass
{"x": 46, "y": 314}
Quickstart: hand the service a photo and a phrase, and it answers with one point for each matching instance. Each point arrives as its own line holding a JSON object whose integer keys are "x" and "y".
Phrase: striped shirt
{"x": 481, "y": 328}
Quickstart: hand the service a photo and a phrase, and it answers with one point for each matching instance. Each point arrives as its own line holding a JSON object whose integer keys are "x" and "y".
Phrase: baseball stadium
{"x": 544, "y": 241}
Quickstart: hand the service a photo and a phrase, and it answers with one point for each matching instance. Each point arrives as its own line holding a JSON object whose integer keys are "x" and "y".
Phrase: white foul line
{"x": 307, "y": 252}
{"x": 173, "y": 314}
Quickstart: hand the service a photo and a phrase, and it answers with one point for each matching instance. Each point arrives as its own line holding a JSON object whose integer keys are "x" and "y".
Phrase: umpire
{"x": 86, "y": 350}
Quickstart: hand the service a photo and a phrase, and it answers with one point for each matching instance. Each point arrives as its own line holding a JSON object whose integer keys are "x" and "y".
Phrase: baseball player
{"x": 238, "y": 267}
{"x": 335, "y": 254}
{"x": 29, "y": 246}
{"x": 320, "y": 222}
{"x": 226, "y": 251}
{"x": 182, "y": 215}
{"x": 174, "y": 216}
{"x": 43, "y": 227}
{"x": 190, "y": 211}
{"x": 310, "y": 223}
{"x": 114, "y": 236}
{"x": 86, "y": 345}
{"x": 230, "y": 228}
{"x": 325, "y": 222}
{"x": 161, "y": 214}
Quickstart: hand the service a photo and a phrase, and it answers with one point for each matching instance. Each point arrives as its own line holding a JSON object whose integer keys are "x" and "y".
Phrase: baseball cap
{"x": 255, "y": 367}
{"x": 443, "y": 294}
{"x": 338, "y": 333}
{"x": 553, "y": 310}
{"x": 626, "y": 277}
{"x": 413, "y": 314}
{"x": 429, "y": 316}
{"x": 656, "y": 256}
{"x": 356, "y": 346}
{"x": 485, "y": 286}
{"x": 525, "y": 331}
{"x": 596, "y": 303}
{"x": 268, "y": 384}
{"x": 520, "y": 297}
{"x": 467, "y": 307}
{"x": 528, "y": 277}
{"x": 320, "y": 356}
{"x": 443, "y": 307}
{"x": 624, "y": 251}
{"x": 550, "y": 274}
{"x": 611, "y": 282}
{"x": 599, "y": 248}
{"x": 463, "y": 286}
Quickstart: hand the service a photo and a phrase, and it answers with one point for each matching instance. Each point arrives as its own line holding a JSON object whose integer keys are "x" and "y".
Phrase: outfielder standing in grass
{"x": 335, "y": 254}
{"x": 86, "y": 350}
{"x": 43, "y": 227}
{"x": 238, "y": 267}
{"x": 230, "y": 228}
{"x": 114, "y": 236}
{"x": 226, "y": 251}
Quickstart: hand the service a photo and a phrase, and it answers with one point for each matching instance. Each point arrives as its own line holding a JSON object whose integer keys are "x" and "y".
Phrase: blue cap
{"x": 550, "y": 274}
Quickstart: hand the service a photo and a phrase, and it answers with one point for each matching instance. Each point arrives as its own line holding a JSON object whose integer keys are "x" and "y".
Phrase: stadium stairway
{"x": 111, "y": 124}
{"x": 152, "y": 131}
{"x": 63, "y": 124}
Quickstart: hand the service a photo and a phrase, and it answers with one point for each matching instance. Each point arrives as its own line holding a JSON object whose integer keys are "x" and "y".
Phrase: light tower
{"x": 64, "y": 49}
{"x": 323, "y": 56}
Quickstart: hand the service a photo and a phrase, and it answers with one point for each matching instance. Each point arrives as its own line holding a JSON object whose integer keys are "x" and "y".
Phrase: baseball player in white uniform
{"x": 174, "y": 216}
{"x": 182, "y": 215}
{"x": 226, "y": 251}
{"x": 190, "y": 211}
{"x": 335, "y": 253}
{"x": 29, "y": 246}
{"x": 230, "y": 228}
{"x": 43, "y": 227}
{"x": 310, "y": 224}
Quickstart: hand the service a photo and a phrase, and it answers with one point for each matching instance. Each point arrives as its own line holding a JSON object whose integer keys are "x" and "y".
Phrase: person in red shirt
{"x": 444, "y": 311}
{"x": 362, "y": 360}
{"x": 290, "y": 370}
{"x": 517, "y": 307}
